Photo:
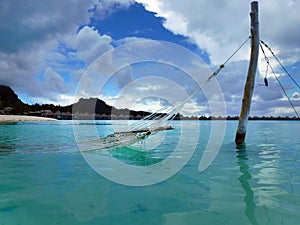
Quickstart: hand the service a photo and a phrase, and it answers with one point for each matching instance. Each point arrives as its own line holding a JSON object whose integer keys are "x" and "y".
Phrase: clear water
{"x": 44, "y": 179}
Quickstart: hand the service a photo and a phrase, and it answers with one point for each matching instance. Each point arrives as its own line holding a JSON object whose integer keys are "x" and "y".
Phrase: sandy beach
{"x": 19, "y": 118}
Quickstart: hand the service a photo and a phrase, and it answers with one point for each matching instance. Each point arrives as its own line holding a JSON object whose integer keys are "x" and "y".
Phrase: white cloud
{"x": 148, "y": 87}
{"x": 193, "y": 109}
{"x": 89, "y": 44}
{"x": 206, "y": 23}
{"x": 148, "y": 94}
{"x": 30, "y": 42}
{"x": 219, "y": 27}
{"x": 53, "y": 81}
{"x": 295, "y": 96}
{"x": 58, "y": 99}
{"x": 105, "y": 8}
{"x": 30, "y": 33}
{"x": 21, "y": 70}
{"x": 32, "y": 56}
{"x": 284, "y": 111}
{"x": 25, "y": 23}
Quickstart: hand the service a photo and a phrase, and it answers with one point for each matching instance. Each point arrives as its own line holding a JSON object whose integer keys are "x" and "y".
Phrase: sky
{"x": 146, "y": 54}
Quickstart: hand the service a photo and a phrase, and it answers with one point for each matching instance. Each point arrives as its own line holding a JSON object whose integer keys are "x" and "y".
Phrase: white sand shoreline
{"x": 19, "y": 118}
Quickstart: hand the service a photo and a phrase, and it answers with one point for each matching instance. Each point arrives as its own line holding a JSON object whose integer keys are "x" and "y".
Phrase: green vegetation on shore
{"x": 92, "y": 108}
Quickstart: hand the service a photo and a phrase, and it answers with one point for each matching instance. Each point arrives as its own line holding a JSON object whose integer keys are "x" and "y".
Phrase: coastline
{"x": 20, "y": 118}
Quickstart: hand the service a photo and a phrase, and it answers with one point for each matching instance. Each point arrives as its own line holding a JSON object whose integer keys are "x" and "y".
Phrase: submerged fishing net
{"x": 112, "y": 141}
{"x": 119, "y": 139}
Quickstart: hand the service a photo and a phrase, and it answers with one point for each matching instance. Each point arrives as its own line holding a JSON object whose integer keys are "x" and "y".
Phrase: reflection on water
{"x": 7, "y": 148}
{"x": 136, "y": 156}
{"x": 267, "y": 185}
{"x": 270, "y": 177}
{"x": 242, "y": 160}
{"x": 8, "y": 138}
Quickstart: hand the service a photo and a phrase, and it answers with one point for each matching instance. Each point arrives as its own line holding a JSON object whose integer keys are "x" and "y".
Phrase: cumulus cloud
{"x": 219, "y": 27}
{"x": 21, "y": 70}
{"x": 38, "y": 38}
{"x": 53, "y": 81}
{"x": 156, "y": 70}
{"x": 46, "y": 46}
{"x": 149, "y": 93}
{"x": 296, "y": 96}
{"x": 26, "y": 23}
{"x": 89, "y": 44}
{"x": 105, "y": 8}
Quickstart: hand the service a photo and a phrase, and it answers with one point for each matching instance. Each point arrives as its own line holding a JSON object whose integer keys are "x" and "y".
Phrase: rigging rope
{"x": 269, "y": 48}
{"x": 268, "y": 63}
{"x": 154, "y": 120}
{"x": 227, "y": 60}
{"x": 216, "y": 72}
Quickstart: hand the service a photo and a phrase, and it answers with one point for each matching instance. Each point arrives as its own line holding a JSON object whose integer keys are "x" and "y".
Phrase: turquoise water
{"x": 44, "y": 179}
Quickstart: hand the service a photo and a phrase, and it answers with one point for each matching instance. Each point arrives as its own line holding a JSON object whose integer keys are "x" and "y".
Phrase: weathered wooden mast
{"x": 249, "y": 86}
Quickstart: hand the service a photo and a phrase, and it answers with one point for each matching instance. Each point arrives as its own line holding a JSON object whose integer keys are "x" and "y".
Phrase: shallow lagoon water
{"x": 44, "y": 179}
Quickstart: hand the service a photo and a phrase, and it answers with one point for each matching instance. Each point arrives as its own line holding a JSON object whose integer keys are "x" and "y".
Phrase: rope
{"x": 280, "y": 63}
{"x": 237, "y": 49}
{"x": 227, "y": 60}
{"x": 177, "y": 107}
{"x": 268, "y": 62}
{"x": 157, "y": 118}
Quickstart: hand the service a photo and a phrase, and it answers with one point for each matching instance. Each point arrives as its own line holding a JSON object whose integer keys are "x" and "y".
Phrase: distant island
{"x": 91, "y": 108}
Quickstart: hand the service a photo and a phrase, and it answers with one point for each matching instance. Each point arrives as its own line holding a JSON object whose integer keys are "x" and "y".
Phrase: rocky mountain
{"x": 11, "y": 104}
{"x": 9, "y": 101}
{"x": 8, "y": 97}
{"x": 91, "y": 105}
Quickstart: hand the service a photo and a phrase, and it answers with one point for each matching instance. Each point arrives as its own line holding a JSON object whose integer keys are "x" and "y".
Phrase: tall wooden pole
{"x": 248, "y": 91}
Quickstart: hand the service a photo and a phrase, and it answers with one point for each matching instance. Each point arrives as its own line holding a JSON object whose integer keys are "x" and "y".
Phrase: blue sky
{"x": 50, "y": 50}
{"x": 124, "y": 23}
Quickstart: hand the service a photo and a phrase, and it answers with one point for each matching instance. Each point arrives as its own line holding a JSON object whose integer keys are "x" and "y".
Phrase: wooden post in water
{"x": 248, "y": 91}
